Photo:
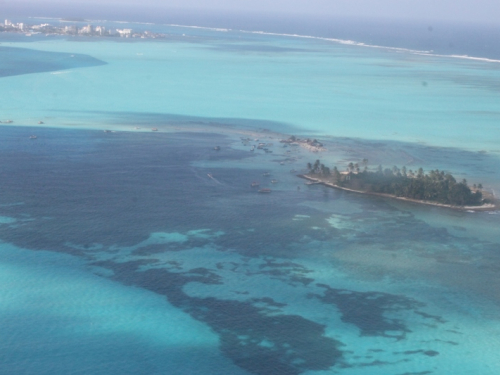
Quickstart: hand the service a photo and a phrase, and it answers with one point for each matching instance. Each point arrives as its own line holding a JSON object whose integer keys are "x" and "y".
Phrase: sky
{"x": 486, "y": 11}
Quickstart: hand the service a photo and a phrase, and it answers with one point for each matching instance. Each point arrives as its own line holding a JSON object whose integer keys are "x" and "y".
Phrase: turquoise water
{"x": 311, "y": 85}
{"x": 120, "y": 254}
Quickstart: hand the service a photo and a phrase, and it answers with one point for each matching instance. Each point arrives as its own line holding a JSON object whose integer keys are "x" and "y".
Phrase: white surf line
{"x": 130, "y": 22}
{"x": 344, "y": 42}
{"x": 464, "y": 57}
{"x": 360, "y": 44}
{"x": 202, "y": 27}
{"x": 44, "y": 18}
{"x": 339, "y": 41}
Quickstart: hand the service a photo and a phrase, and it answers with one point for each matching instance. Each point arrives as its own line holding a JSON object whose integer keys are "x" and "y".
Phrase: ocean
{"x": 132, "y": 251}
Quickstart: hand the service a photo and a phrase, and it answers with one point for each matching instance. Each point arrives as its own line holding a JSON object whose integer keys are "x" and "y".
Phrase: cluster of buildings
{"x": 14, "y": 26}
{"x": 88, "y": 30}
{"x": 99, "y": 31}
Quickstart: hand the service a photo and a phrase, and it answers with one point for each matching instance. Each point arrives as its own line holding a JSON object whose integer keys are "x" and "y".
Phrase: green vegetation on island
{"x": 435, "y": 186}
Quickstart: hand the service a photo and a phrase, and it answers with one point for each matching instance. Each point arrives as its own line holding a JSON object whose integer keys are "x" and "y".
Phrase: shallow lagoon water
{"x": 183, "y": 272}
{"x": 316, "y": 86}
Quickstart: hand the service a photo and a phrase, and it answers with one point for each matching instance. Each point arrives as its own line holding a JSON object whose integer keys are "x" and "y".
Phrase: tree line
{"x": 436, "y": 186}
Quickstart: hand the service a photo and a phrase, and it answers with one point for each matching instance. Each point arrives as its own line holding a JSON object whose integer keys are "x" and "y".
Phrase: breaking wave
{"x": 429, "y": 53}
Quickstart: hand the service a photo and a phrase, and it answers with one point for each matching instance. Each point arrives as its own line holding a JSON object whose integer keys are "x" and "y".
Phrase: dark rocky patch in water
{"x": 260, "y": 343}
{"x": 369, "y": 310}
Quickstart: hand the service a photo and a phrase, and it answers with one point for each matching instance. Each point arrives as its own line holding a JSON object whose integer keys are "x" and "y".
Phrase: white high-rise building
{"x": 86, "y": 29}
{"x": 8, "y": 23}
{"x": 71, "y": 29}
{"x": 125, "y": 32}
{"x": 100, "y": 30}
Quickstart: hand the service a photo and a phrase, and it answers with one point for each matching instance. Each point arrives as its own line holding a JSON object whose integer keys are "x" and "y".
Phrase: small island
{"x": 310, "y": 144}
{"x": 437, "y": 188}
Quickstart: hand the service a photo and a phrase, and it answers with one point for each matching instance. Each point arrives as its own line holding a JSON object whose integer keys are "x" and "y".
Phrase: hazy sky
{"x": 460, "y": 10}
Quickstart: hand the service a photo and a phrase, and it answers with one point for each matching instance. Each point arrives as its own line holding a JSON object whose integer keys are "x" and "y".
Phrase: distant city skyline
{"x": 485, "y": 11}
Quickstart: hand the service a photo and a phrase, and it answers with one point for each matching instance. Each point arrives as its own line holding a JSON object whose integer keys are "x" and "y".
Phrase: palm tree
{"x": 480, "y": 186}
{"x": 309, "y": 167}
{"x": 451, "y": 180}
{"x": 322, "y": 169}
{"x": 336, "y": 174}
{"x": 316, "y": 166}
{"x": 365, "y": 163}
{"x": 350, "y": 166}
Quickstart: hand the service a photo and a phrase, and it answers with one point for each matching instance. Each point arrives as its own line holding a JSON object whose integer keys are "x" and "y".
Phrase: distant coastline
{"x": 472, "y": 56}
{"x": 76, "y": 30}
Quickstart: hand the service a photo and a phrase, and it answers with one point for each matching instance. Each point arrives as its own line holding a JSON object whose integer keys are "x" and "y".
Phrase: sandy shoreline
{"x": 484, "y": 207}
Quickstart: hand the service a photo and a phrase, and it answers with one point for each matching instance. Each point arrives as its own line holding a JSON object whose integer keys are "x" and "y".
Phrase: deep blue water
{"x": 100, "y": 196}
